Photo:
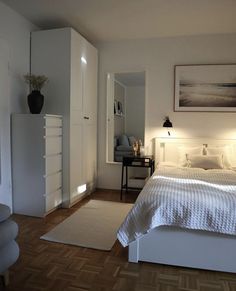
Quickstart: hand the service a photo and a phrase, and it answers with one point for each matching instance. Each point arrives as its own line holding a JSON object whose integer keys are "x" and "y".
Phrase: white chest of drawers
{"x": 36, "y": 163}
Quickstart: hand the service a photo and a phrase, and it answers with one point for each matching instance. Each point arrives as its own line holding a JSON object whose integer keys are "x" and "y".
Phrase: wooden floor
{"x": 51, "y": 266}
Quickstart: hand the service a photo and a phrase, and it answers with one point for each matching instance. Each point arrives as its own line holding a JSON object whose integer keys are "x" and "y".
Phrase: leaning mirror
{"x": 125, "y": 113}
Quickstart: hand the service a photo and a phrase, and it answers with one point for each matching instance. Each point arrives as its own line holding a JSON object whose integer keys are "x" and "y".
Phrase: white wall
{"x": 158, "y": 57}
{"x": 15, "y": 45}
{"x": 135, "y": 111}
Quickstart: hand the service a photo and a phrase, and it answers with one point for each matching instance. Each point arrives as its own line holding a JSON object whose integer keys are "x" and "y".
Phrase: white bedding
{"x": 185, "y": 197}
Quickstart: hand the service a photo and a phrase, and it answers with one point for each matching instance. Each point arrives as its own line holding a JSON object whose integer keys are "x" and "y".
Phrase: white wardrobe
{"x": 70, "y": 63}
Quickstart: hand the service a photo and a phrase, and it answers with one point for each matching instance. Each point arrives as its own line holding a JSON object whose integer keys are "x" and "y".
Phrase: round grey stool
{"x": 9, "y": 250}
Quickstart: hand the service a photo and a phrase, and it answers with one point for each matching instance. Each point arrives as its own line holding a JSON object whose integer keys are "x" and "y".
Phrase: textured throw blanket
{"x": 184, "y": 197}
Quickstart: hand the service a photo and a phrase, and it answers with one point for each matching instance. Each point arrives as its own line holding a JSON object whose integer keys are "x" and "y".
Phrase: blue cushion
{"x": 123, "y": 140}
{"x": 124, "y": 148}
{"x": 132, "y": 140}
{"x": 123, "y": 153}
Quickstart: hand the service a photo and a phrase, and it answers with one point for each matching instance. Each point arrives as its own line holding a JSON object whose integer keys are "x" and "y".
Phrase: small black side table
{"x": 134, "y": 162}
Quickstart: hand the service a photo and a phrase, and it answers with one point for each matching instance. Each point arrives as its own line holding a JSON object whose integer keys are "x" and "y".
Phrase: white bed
{"x": 181, "y": 246}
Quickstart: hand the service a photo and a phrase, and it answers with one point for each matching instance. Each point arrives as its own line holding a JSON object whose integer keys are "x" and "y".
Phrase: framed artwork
{"x": 115, "y": 107}
{"x": 205, "y": 88}
{"x": 120, "y": 108}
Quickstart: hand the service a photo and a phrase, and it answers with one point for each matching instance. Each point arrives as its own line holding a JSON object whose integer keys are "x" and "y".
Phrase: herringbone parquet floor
{"x": 56, "y": 267}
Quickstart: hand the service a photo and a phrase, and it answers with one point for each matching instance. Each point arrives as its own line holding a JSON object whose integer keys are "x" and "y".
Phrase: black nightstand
{"x": 135, "y": 162}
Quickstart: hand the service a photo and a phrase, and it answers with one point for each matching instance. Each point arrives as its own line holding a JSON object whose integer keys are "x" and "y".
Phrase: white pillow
{"x": 184, "y": 151}
{"x": 226, "y": 151}
{"x": 205, "y": 162}
{"x": 168, "y": 164}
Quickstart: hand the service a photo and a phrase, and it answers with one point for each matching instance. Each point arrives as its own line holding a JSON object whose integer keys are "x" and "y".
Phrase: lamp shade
{"x": 167, "y": 123}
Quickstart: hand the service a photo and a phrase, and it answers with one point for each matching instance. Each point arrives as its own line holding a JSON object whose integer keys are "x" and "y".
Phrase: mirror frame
{"x": 144, "y": 70}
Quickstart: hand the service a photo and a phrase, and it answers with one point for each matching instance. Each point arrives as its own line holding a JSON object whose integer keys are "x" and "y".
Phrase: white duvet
{"x": 184, "y": 197}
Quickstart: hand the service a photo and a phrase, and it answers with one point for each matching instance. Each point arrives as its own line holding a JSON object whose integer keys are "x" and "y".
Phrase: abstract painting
{"x": 205, "y": 88}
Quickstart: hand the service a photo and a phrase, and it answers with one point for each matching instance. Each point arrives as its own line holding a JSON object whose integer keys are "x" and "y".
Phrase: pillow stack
{"x": 184, "y": 152}
{"x": 205, "y": 162}
{"x": 211, "y": 157}
{"x": 225, "y": 152}
{"x": 9, "y": 250}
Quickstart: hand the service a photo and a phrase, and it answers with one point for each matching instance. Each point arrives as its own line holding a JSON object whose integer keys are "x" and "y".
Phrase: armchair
{"x": 123, "y": 147}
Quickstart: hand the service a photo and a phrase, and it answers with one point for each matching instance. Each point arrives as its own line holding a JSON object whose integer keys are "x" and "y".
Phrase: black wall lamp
{"x": 167, "y": 123}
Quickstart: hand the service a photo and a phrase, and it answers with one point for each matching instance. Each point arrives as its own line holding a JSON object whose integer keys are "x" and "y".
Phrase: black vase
{"x": 35, "y": 102}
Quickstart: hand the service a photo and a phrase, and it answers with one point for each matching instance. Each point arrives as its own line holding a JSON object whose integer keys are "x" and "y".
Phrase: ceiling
{"x": 112, "y": 20}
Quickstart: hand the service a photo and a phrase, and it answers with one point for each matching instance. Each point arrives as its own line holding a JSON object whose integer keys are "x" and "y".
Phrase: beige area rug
{"x": 94, "y": 225}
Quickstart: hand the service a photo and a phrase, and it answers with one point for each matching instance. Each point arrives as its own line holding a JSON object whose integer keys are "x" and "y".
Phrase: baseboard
{"x": 78, "y": 199}
{"x": 107, "y": 190}
{"x": 91, "y": 187}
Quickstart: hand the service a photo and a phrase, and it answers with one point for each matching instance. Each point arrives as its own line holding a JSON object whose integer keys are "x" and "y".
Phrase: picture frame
{"x": 120, "y": 108}
{"x": 210, "y": 88}
{"x": 115, "y": 107}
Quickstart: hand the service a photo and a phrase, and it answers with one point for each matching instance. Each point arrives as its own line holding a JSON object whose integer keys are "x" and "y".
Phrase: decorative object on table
{"x": 205, "y": 88}
{"x": 167, "y": 123}
{"x": 35, "y": 98}
{"x": 139, "y": 146}
{"x": 142, "y": 150}
{"x": 136, "y": 147}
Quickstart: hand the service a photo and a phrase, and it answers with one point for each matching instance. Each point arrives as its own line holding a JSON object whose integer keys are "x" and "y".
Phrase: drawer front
{"x": 53, "y": 200}
{"x": 53, "y": 122}
{"x": 53, "y": 164}
{"x": 53, "y": 182}
{"x": 53, "y": 131}
{"x": 53, "y": 145}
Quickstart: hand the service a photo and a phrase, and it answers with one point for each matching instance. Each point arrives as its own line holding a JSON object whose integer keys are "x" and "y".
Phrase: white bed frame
{"x": 183, "y": 247}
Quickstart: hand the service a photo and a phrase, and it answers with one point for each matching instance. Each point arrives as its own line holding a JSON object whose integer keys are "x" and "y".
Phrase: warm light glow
{"x": 174, "y": 133}
{"x": 83, "y": 60}
{"x": 228, "y": 134}
{"x": 167, "y": 132}
{"x": 81, "y": 189}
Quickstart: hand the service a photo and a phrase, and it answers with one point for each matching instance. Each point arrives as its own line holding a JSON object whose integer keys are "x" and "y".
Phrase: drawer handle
{"x": 86, "y": 117}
